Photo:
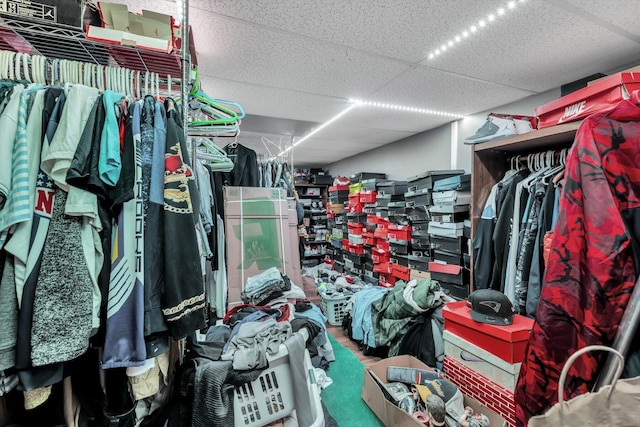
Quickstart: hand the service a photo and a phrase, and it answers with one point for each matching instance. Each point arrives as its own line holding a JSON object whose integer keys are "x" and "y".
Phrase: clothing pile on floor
{"x": 236, "y": 350}
{"x": 405, "y": 319}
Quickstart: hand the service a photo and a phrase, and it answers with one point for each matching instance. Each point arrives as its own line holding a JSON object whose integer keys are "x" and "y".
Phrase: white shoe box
{"x": 481, "y": 361}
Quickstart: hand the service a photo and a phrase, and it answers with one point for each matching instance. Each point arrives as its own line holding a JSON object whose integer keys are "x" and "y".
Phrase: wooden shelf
{"x": 537, "y": 140}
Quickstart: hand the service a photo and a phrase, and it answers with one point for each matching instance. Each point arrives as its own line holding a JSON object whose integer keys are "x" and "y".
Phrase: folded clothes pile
{"x": 265, "y": 287}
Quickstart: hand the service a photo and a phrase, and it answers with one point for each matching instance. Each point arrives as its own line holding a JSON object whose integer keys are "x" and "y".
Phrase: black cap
{"x": 490, "y": 306}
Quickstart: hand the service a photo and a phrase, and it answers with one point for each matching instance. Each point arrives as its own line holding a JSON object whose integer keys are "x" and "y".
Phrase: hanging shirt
{"x": 592, "y": 261}
{"x": 110, "y": 163}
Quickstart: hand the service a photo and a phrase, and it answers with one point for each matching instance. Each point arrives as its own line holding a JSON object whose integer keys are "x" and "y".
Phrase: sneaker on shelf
{"x": 522, "y": 126}
{"x": 493, "y": 128}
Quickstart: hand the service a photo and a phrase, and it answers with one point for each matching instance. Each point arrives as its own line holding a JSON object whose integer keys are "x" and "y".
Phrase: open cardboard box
{"x": 390, "y": 414}
{"x": 150, "y": 30}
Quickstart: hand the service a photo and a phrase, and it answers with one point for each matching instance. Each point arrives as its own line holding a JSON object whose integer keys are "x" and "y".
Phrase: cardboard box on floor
{"x": 257, "y": 234}
{"x": 389, "y": 413}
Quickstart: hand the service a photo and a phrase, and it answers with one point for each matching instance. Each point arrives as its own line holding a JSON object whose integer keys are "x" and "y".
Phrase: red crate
{"x": 508, "y": 342}
{"x": 486, "y": 392}
{"x": 339, "y": 188}
{"x": 368, "y": 196}
{"x": 399, "y": 232}
{"x": 400, "y": 272}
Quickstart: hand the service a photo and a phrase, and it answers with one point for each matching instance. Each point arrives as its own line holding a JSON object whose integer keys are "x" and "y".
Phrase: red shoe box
{"x": 368, "y": 196}
{"x": 373, "y": 219}
{"x": 383, "y": 268}
{"x": 339, "y": 188}
{"x": 379, "y": 256}
{"x": 382, "y": 244}
{"x": 387, "y": 281}
{"x": 482, "y": 389}
{"x": 400, "y": 272}
{"x": 506, "y": 342}
{"x": 355, "y": 228}
{"x": 400, "y": 232}
{"x": 368, "y": 239}
{"x": 607, "y": 92}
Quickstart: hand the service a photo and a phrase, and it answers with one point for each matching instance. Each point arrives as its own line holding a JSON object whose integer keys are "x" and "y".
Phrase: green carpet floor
{"x": 342, "y": 398}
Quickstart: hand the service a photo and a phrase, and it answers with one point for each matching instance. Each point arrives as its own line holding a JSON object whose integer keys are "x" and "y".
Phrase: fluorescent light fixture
{"x": 319, "y": 128}
{"x": 472, "y": 29}
{"x": 426, "y": 111}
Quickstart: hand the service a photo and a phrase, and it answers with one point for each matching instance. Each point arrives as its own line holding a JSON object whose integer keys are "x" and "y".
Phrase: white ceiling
{"x": 302, "y": 61}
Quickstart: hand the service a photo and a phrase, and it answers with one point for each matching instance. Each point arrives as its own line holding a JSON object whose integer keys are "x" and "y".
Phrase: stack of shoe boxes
{"x": 338, "y": 198}
{"x": 418, "y": 199}
{"x": 399, "y": 232}
{"x": 449, "y": 211}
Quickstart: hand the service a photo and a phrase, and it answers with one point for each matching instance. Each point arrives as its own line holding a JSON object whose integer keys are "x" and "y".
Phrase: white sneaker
{"x": 522, "y": 126}
{"x": 494, "y": 128}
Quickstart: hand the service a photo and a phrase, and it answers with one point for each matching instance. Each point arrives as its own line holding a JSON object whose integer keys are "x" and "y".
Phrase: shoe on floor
{"x": 493, "y": 128}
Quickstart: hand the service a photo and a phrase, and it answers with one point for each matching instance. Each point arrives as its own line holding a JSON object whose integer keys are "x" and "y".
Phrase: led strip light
{"x": 405, "y": 108}
{"x": 466, "y": 33}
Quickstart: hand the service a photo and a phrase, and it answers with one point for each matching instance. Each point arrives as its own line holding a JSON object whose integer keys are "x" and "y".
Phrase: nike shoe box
{"x": 402, "y": 260}
{"x": 370, "y": 280}
{"x": 362, "y": 176}
{"x": 448, "y": 209}
{"x": 400, "y": 272}
{"x": 418, "y": 198}
{"x": 451, "y": 197}
{"x": 456, "y": 245}
{"x": 467, "y": 229}
{"x": 371, "y": 184}
{"x": 397, "y": 208}
{"x": 399, "y": 232}
{"x": 427, "y": 179}
{"x": 454, "y": 290}
{"x": 598, "y": 96}
{"x": 448, "y": 257}
{"x": 393, "y": 188}
{"x": 418, "y": 261}
{"x": 458, "y": 182}
{"x": 450, "y": 273}
{"x": 446, "y": 229}
{"x": 418, "y": 214}
{"x": 322, "y": 179}
{"x": 338, "y": 267}
{"x": 450, "y": 217}
{"x": 420, "y": 242}
{"x": 398, "y": 247}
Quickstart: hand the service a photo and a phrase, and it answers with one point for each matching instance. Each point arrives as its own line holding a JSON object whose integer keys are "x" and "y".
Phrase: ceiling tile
{"x": 352, "y": 129}
{"x": 436, "y": 90}
{"x": 621, "y": 13}
{"x": 395, "y": 28}
{"x": 540, "y": 47}
{"x": 242, "y": 52}
{"x": 387, "y": 120}
{"x": 268, "y": 101}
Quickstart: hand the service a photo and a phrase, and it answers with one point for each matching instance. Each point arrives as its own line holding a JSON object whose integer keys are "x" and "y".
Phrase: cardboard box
{"x": 390, "y": 414}
{"x": 419, "y": 275}
{"x": 507, "y": 342}
{"x": 481, "y": 361}
{"x": 586, "y": 101}
{"x": 257, "y": 235}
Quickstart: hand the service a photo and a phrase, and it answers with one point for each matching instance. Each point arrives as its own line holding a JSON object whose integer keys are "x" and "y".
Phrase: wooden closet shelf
{"x": 544, "y": 139}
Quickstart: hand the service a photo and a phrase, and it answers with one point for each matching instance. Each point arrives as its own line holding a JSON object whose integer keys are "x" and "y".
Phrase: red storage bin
{"x": 355, "y": 228}
{"x": 399, "y": 232}
{"x": 400, "y": 272}
{"x": 339, "y": 188}
{"x": 368, "y": 196}
{"x": 508, "y": 342}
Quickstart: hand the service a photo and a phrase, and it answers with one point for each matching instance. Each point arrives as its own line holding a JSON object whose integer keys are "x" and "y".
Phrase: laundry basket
{"x": 270, "y": 397}
{"x": 334, "y": 307}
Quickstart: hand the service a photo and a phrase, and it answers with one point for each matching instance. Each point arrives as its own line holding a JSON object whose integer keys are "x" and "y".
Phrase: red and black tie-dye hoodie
{"x": 591, "y": 271}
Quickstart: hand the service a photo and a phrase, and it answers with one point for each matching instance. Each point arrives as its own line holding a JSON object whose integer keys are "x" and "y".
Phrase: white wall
{"x": 402, "y": 159}
{"x": 432, "y": 149}
{"x": 469, "y": 125}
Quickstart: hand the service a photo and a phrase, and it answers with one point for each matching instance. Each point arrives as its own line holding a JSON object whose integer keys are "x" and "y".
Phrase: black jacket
{"x": 246, "y": 172}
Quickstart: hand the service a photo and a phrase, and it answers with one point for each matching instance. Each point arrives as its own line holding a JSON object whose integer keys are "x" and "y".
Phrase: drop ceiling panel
{"x": 395, "y": 28}
{"x": 539, "y": 46}
{"x": 351, "y": 130}
{"x": 268, "y": 101}
{"x": 242, "y": 52}
{"x": 432, "y": 89}
{"x": 621, "y": 13}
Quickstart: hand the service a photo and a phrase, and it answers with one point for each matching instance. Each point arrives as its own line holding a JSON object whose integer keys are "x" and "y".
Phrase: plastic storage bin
{"x": 333, "y": 306}
{"x": 270, "y": 397}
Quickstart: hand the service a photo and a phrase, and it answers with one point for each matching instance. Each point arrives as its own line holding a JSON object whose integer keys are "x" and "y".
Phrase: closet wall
{"x": 402, "y": 159}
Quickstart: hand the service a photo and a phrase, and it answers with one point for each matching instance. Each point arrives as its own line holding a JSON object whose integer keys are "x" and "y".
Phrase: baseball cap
{"x": 478, "y": 420}
{"x": 491, "y": 306}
